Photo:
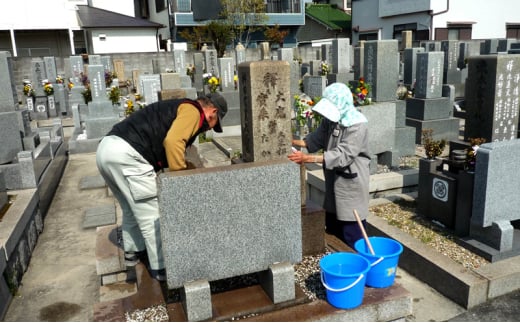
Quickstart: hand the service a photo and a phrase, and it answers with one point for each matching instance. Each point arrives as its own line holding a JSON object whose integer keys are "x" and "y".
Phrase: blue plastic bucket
{"x": 383, "y": 265}
{"x": 343, "y": 275}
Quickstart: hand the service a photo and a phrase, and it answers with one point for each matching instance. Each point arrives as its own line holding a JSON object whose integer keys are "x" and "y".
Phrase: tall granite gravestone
{"x": 493, "y": 232}
{"x": 170, "y": 81}
{"x": 76, "y": 70}
{"x": 179, "y": 61}
{"x": 94, "y": 60}
{"x": 285, "y": 54}
{"x": 38, "y": 76}
{"x": 227, "y": 73}
{"x": 492, "y": 107}
{"x": 429, "y": 109}
{"x": 265, "y": 110}
{"x": 359, "y": 62}
{"x": 265, "y": 51}
{"x": 51, "y": 75}
{"x": 198, "y": 63}
{"x": 101, "y": 116}
{"x": 326, "y": 53}
{"x": 149, "y": 86}
{"x": 381, "y": 68}
{"x": 410, "y": 63}
{"x": 119, "y": 69}
{"x": 106, "y": 61}
{"x": 431, "y": 46}
{"x": 452, "y": 72}
{"x": 9, "y": 118}
{"x": 210, "y": 61}
{"x": 340, "y": 53}
{"x": 313, "y": 86}
{"x": 240, "y": 54}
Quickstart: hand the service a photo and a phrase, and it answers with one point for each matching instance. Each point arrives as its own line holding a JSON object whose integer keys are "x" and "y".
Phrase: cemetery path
{"x": 61, "y": 283}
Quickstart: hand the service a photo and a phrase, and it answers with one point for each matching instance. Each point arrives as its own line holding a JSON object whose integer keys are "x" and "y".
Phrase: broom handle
{"x": 364, "y": 233}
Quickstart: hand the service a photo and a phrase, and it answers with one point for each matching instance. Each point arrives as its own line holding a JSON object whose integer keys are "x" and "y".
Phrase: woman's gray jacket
{"x": 346, "y": 167}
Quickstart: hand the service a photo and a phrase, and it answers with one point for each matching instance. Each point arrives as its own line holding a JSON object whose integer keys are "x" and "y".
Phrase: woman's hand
{"x": 297, "y": 157}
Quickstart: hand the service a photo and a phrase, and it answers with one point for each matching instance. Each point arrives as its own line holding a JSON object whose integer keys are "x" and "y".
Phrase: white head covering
{"x": 337, "y": 105}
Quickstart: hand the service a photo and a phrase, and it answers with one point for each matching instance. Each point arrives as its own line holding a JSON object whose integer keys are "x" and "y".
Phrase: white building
{"x": 71, "y": 27}
{"x": 435, "y": 19}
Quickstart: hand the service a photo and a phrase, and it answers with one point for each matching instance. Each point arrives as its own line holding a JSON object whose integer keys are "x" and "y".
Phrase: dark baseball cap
{"x": 220, "y": 103}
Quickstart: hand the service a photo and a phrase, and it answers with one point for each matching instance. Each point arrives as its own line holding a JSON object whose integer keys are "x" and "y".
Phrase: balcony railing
{"x": 272, "y": 6}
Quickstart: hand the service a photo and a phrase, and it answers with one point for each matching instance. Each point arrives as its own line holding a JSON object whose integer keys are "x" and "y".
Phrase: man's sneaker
{"x": 131, "y": 259}
{"x": 158, "y": 274}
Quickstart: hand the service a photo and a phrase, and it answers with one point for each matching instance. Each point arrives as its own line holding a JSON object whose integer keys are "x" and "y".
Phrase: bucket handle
{"x": 377, "y": 261}
{"x": 340, "y": 289}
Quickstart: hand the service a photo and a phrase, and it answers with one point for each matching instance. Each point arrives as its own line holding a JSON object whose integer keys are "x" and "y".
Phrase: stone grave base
{"x": 19, "y": 230}
{"x": 488, "y": 252}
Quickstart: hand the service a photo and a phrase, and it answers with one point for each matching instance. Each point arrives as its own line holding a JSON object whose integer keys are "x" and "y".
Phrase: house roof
{"x": 91, "y": 17}
{"x": 329, "y": 16}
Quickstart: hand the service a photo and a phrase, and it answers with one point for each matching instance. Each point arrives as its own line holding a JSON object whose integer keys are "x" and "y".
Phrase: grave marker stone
{"x": 265, "y": 110}
{"x": 119, "y": 69}
{"x": 265, "y": 51}
{"x": 198, "y": 62}
{"x": 179, "y": 61}
{"x": 340, "y": 55}
{"x": 8, "y": 96}
{"x": 285, "y": 54}
{"x": 76, "y": 67}
{"x": 492, "y": 109}
{"x": 381, "y": 68}
{"x": 210, "y": 59}
{"x": 313, "y": 86}
{"x": 240, "y": 54}
{"x": 410, "y": 63}
{"x": 151, "y": 88}
{"x": 226, "y": 72}
{"x": 170, "y": 81}
{"x": 50, "y": 68}
{"x": 94, "y": 60}
{"x": 429, "y": 75}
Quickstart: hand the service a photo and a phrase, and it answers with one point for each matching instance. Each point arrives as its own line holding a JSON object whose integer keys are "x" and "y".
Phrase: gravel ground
{"x": 435, "y": 235}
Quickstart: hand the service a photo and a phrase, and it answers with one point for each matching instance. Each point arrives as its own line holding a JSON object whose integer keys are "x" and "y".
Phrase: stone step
{"x": 110, "y": 262}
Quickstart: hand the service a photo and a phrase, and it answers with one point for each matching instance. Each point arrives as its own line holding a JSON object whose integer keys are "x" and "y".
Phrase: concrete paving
{"x": 61, "y": 283}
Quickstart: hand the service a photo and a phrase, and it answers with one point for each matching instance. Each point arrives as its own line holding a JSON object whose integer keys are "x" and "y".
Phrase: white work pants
{"x": 133, "y": 182}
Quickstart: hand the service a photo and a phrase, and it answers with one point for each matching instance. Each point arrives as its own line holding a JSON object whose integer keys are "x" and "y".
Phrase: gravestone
{"x": 198, "y": 63}
{"x": 340, "y": 59}
{"x": 326, "y": 52}
{"x": 285, "y": 54}
{"x": 294, "y": 77}
{"x": 429, "y": 75}
{"x": 94, "y": 60}
{"x": 170, "y": 81}
{"x": 431, "y": 46}
{"x": 265, "y": 51}
{"x": 240, "y": 54}
{"x": 492, "y": 109}
{"x": 119, "y": 69}
{"x": 210, "y": 61}
{"x": 359, "y": 54}
{"x": 179, "y": 61}
{"x": 265, "y": 110}
{"x": 313, "y": 86}
{"x": 106, "y": 61}
{"x": 50, "y": 69}
{"x": 101, "y": 116}
{"x": 489, "y": 46}
{"x": 495, "y": 201}
{"x": 410, "y": 63}
{"x": 249, "y": 237}
{"x": 381, "y": 68}
{"x": 76, "y": 69}
{"x": 429, "y": 109}
{"x": 156, "y": 66}
{"x": 227, "y": 73}
{"x": 8, "y": 96}
{"x": 315, "y": 66}
{"x": 149, "y": 85}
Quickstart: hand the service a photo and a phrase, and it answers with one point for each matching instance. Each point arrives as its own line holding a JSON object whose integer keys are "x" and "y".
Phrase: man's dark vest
{"x": 146, "y": 129}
